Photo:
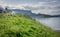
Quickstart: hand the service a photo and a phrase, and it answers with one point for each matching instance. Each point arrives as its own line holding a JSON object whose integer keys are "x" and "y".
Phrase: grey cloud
{"x": 46, "y": 7}
{"x": 34, "y": 8}
{"x": 38, "y": 6}
{"x": 21, "y": 1}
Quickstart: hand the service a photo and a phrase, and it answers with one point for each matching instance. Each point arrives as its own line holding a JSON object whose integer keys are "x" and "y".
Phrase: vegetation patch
{"x": 23, "y": 26}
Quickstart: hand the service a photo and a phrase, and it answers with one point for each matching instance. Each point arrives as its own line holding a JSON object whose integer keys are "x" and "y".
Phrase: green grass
{"x": 23, "y": 26}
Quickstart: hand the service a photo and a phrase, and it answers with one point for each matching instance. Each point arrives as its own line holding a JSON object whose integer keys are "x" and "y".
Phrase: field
{"x": 23, "y": 26}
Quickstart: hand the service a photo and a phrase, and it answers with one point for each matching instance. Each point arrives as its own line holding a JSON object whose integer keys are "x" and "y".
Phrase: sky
{"x": 36, "y": 6}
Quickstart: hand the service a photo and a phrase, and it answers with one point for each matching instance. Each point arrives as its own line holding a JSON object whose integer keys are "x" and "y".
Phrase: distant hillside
{"x": 29, "y": 12}
{"x": 55, "y": 15}
{"x": 23, "y": 26}
{"x": 33, "y": 15}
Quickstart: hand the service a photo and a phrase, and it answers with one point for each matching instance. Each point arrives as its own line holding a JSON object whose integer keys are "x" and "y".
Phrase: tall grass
{"x": 22, "y": 26}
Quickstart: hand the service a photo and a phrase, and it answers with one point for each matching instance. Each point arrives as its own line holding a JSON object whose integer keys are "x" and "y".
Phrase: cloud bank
{"x": 36, "y": 6}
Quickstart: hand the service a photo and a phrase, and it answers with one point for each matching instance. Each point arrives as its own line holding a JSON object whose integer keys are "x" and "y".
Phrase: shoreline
{"x": 58, "y": 31}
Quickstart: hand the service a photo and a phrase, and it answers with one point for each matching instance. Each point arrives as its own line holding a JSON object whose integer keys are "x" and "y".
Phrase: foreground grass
{"x": 23, "y": 26}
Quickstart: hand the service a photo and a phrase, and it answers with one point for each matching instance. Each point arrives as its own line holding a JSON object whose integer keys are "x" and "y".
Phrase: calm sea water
{"x": 54, "y": 22}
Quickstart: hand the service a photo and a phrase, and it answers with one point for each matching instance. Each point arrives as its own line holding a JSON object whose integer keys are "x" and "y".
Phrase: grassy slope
{"x": 23, "y": 26}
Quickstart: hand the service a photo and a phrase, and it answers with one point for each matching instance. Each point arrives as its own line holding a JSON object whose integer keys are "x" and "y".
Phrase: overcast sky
{"x": 37, "y": 6}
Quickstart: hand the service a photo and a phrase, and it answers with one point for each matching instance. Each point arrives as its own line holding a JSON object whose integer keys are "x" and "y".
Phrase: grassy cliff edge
{"x": 23, "y": 26}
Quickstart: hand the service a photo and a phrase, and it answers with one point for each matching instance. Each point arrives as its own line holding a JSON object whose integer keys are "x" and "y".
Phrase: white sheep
{"x": 13, "y": 13}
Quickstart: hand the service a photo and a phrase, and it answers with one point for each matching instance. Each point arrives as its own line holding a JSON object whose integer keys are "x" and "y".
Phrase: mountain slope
{"x": 23, "y": 26}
